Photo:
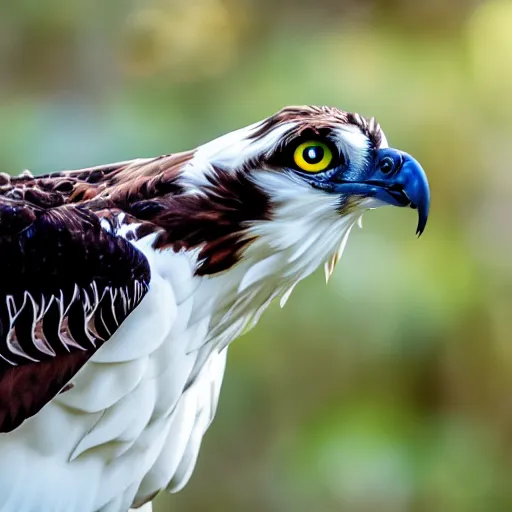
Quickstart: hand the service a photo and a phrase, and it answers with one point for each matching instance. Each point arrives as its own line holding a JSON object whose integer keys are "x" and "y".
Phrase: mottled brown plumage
{"x": 150, "y": 193}
{"x": 316, "y": 119}
{"x": 67, "y": 285}
{"x": 123, "y": 182}
{"x": 305, "y": 118}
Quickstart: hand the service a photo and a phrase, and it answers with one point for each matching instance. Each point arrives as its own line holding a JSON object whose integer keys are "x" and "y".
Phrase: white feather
{"x": 124, "y": 423}
{"x": 230, "y": 151}
{"x": 286, "y": 295}
{"x": 145, "y": 508}
{"x": 258, "y": 272}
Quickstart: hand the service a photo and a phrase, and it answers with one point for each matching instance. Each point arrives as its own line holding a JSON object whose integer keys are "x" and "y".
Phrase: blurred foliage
{"x": 389, "y": 389}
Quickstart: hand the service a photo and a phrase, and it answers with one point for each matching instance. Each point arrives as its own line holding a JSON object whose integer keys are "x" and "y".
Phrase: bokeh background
{"x": 390, "y": 389}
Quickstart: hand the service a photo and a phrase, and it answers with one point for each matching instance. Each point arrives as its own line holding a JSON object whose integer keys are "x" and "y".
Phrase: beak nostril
{"x": 386, "y": 165}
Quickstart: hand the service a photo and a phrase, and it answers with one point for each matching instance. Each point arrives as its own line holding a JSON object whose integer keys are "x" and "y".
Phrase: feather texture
{"x": 123, "y": 286}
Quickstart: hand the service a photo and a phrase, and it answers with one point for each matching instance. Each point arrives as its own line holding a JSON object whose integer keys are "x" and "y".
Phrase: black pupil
{"x": 313, "y": 154}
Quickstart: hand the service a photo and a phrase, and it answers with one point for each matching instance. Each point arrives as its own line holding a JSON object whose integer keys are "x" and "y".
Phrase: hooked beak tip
{"x": 421, "y": 226}
{"x": 422, "y": 218}
{"x": 417, "y": 190}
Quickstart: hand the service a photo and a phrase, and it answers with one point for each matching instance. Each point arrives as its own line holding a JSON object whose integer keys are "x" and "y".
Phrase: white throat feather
{"x": 306, "y": 231}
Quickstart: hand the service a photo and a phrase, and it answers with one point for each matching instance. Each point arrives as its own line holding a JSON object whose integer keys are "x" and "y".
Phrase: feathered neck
{"x": 305, "y": 231}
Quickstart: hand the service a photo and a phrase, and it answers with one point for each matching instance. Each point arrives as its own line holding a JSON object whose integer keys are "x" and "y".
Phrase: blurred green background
{"x": 390, "y": 389}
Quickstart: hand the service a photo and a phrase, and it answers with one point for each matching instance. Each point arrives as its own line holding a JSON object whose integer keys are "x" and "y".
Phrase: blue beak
{"x": 396, "y": 178}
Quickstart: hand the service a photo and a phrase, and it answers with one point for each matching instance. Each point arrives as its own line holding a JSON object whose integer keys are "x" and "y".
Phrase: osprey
{"x": 123, "y": 285}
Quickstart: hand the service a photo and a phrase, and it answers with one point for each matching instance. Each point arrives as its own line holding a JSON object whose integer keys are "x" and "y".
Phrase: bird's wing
{"x": 66, "y": 285}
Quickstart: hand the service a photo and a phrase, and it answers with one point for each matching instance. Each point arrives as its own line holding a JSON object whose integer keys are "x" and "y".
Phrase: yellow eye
{"x": 312, "y": 156}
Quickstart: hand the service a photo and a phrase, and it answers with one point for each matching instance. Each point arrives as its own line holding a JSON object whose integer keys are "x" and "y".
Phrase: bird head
{"x": 295, "y": 183}
{"x": 254, "y": 211}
